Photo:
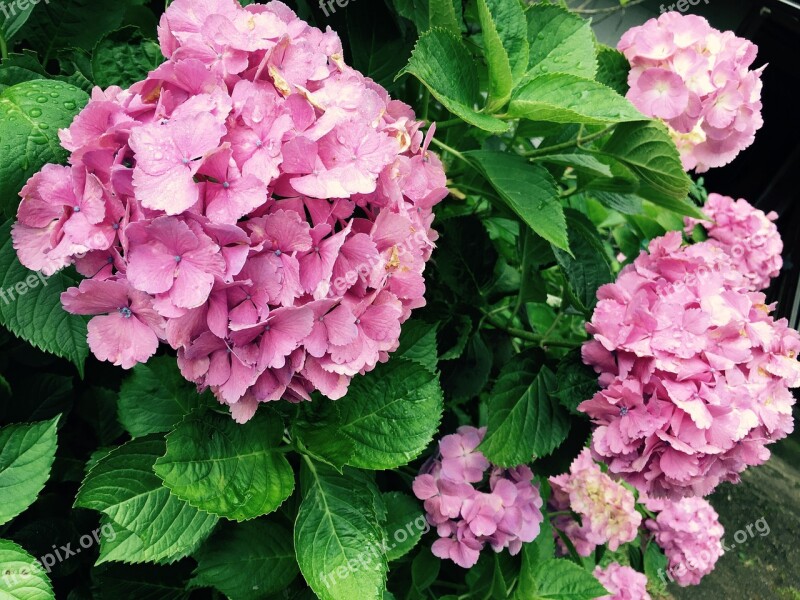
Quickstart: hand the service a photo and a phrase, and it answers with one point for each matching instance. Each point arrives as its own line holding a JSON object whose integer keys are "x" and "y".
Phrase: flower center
{"x": 125, "y": 312}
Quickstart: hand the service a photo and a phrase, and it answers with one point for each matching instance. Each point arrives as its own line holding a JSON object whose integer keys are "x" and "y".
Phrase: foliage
{"x": 555, "y": 181}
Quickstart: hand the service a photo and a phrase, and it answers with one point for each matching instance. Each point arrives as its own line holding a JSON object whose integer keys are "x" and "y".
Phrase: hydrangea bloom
{"x": 623, "y": 582}
{"x": 467, "y": 518}
{"x": 745, "y": 233}
{"x": 698, "y": 81}
{"x": 606, "y": 508}
{"x": 696, "y": 372}
{"x": 690, "y": 534}
{"x": 255, "y": 203}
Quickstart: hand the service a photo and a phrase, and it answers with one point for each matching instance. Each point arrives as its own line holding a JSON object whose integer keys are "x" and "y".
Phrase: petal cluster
{"x": 467, "y": 510}
{"x": 746, "y": 234}
{"x": 690, "y": 534}
{"x": 254, "y": 203}
{"x": 696, "y": 372}
{"x": 607, "y": 509}
{"x": 623, "y": 582}
{"x": 699, "y": 82}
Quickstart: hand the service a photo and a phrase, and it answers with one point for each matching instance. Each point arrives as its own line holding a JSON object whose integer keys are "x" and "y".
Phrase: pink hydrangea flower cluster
{"x": 698, "y": 81}
{"x": 606, "y": 508}
{"x": 690, "y": 534}
{"x": 255, "y": 203}
{"x": 623, "y": 582}
{"x": 466, "y": 518}
{"x": 696, "y": 372}
{"x": 746, "y": 234}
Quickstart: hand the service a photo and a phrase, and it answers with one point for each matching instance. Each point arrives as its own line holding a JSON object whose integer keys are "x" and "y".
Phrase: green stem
{"x": 570, "y": 144}
{"x": 3, "y": 47}
{"x": 448, "y": 123}
{"x": 452, "y": 151}
{"x": 528, "y": 336}
{"x": 525, "y": 234}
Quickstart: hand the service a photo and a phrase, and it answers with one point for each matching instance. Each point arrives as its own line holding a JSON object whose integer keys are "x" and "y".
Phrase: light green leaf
{"x": 246, "y": 561}
{"x": 558, "y": 579}
{"x": 26, "y": 455}
{"x": 22, "y": 577}
{"x": 560, "y": 42}
{"x": 391, "y": 414}
{"x": 338, "y": 535}
{"x": 442, "y": 13}
{"x": 589, "y": 267}
{"x": 31, "y": 306}
{"x": 122, "y": 486}
{"x": 124, "y": 57}
{"x": 505, "y": 47}
{"x": 525, "y": 418}
{"x": 441, "y": 61}
{"x": 529, "y": 190}
{"x": 583, "y": 163}
{"x": 647, "y": 149}
{"x": 316, "y": 432}
{"x": 31, "y": 114}
{"x": 405, "y": 524}
{"x": 227, "y": 469}
{"x": 563, "y": 98}
{"x": 155, "y": 397}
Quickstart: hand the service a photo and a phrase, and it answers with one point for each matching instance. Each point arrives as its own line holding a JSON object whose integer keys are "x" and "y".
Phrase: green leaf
{"x": 418, "y": 344}
{"x": 391, "y": 414}
{"x": 576, "y": 382}
{"x": 123, "y": 487}
{"x": 405, "y": 524}
{"x": 316, "y": 432}
{"x": 441, "y": 61}
{"x": 612, "y": 69}
{"x": 155, "y": 397}
{"x": 78, "y": 23}
{"x": 529, "y": 190}
{"x": 655, "y": 565}
{"x": 589, "y": 267}
{"x": 442, "y": 13}
{"x": 558, "y": 579}
{"x": 13, "y": 17}
{"x": 143, "y": 582}
{"x": 627, "y": 204}
{"x": 31, "y": 307}
{"x": 338, "y": 537}
{"x": 227, "y": 469}
{"x": 564, "y": 98}
{"x": 647, "y": 149}
{"x": 525, "y": 419}
{"x": 560, "y": 42}
{"x": 505, "y": 46}
{"x": 124, "y": 57}
{"x": 424, "y": 569}
{"x": 22, "y": 577}
{"x": 377, "y": 48}
{"x": 583, "y": 163}
{"x": 26, "y": 455}
{"x": 247, "y": 561}
{"x": 16, "y": 68}
{"x": 31, "y": 114}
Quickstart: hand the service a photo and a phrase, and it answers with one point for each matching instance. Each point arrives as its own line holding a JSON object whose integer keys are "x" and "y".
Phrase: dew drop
{"x": 35, "y": 112}
{"x": 69, "y": 105}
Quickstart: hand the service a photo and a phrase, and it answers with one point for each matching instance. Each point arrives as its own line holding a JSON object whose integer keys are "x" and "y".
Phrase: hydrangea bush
{"x": 400, "y": 300}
